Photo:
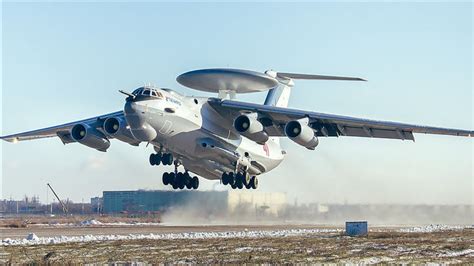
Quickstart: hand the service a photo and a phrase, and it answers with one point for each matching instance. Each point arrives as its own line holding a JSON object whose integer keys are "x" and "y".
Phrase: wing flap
{"x": 368, "y": 132}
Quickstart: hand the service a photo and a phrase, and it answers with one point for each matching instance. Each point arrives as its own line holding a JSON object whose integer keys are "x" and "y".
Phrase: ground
{"x": 236, "y": 244}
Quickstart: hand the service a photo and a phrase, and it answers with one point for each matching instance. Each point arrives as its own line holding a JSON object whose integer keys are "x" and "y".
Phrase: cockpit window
{"x": 149, "y": 92}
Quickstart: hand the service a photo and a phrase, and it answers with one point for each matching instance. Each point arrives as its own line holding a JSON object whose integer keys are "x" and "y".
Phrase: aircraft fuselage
{"x": 197, "y": 136}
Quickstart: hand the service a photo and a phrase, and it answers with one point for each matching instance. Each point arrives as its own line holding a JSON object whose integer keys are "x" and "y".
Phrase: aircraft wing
{"x": 61, "y": 131}
{"x": 328, "y": 125}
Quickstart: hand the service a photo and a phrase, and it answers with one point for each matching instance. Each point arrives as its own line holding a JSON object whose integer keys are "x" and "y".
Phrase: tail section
{"x": 279, "y": 96}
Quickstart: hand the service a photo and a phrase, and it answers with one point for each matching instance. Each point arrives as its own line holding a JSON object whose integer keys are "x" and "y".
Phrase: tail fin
{"x": 278, "y": 96}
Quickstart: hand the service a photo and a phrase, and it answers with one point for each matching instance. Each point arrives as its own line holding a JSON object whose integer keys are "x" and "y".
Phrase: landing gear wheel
{"x": 180, "y": 180}
{"x": 254, "y": 182}
{"x": 166, "y": 179}
{"x": 231, "y": 179}
{"x": 239, "y": 181}
{"x": 167, "y": 159}
{"x": 233, "y": 186}
{"x": 188, "y": 181}
{"x": 225, "y": 179}
{"x": 175, "y": 186}
{"x": 152, "y": 159}
{"x": 195, "y": 182}
{"x": 155, "y": 159}
{"x": 245, "y": 179}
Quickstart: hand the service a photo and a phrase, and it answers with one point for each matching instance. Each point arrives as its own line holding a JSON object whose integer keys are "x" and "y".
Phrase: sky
{"x": 65, "y": 61}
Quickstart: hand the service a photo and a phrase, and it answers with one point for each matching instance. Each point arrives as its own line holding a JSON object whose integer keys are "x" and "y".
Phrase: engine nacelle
{"x": 299, "y": 132}
{"x": 90, "y": 137}
{"x": 117, "y": 128}
{"x": 250, "y": 128}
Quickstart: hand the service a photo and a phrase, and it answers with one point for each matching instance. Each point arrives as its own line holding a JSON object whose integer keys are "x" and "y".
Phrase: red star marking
{"x": 266, "y": 149}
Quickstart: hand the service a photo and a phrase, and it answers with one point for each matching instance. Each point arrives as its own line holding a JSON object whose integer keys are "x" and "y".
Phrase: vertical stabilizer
{"x": 279, "y": 96}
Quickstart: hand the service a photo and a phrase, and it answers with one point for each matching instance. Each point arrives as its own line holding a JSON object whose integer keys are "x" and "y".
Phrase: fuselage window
{"x": 153, "y": 93}
{"x": 146, "y": 92}
{"x": 159, "y": 95}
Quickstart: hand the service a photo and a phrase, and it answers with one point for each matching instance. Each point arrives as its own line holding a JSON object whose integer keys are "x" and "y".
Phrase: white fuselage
{"x": 198, "y": 136}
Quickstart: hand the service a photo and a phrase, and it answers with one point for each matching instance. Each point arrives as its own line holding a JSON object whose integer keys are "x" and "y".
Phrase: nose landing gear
{"x": 164, "y": 158}
{"x": 239, "y": 180}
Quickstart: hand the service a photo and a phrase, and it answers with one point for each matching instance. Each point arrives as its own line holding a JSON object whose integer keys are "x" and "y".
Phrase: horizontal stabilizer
{"x": 316, "y": 77}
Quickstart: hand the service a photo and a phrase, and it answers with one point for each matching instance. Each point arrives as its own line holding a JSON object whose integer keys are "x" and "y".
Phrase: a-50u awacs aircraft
{"x": 220, "y": 138}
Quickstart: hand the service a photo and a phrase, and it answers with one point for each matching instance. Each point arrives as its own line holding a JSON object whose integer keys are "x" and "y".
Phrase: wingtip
{"x": 8, "y": 139}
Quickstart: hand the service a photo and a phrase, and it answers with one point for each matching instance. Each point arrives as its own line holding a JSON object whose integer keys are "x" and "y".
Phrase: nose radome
{"x": 139, "y": 127}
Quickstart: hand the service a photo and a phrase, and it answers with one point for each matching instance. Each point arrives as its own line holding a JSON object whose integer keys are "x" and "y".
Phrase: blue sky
{"x": 66, "y": 61}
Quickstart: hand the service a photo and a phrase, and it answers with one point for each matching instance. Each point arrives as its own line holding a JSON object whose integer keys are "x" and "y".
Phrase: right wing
{"x": 328, "y": 125}
{"x": 61, "y": 131}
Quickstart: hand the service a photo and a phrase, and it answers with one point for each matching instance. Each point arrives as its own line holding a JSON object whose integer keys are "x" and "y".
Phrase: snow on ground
{"x": 434, "y": 228}
{"x": 466, "y": 252}
{"x": 32, "y": 237}
{"x": 90, "y": 222}
{"x": 191, "y": 235}
{"x": 93, "y": 222}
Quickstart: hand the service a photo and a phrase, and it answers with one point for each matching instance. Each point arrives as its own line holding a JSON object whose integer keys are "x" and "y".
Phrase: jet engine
{"x": 117, "y": 128}
{"x": 251, "y": 128}
{"x": 299, "y": 132}
{"x": 90, "y": 137}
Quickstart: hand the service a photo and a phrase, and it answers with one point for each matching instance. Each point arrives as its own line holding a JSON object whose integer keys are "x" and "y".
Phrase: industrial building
{"x": 208, "y": 202}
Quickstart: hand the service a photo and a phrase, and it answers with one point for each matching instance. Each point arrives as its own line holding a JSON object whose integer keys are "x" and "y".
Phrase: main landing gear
{"x": 164, "y": 158}
{"x": 180, "y": 180}
{"x": 239, "y": 180}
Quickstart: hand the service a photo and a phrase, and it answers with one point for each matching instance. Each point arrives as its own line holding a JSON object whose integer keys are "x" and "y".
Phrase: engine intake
{"x": 250, "y": 128}
{"x": 117, "y": 128}
{"x": 90, "y": 137}
{"x": 299, "y": 132}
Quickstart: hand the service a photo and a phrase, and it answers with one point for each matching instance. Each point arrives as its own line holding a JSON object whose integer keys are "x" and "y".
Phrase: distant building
{"x": 208, "y": 202}
{"x": 96, "y": 204}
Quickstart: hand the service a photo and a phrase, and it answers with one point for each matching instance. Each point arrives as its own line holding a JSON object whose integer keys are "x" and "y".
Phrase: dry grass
{"x": 324, "y": 248}
{"x": 26, "y": 221}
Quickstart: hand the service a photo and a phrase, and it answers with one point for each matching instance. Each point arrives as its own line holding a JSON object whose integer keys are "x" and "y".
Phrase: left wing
{"x": 61, "y": 131}
{"x": 274, "y": 120}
